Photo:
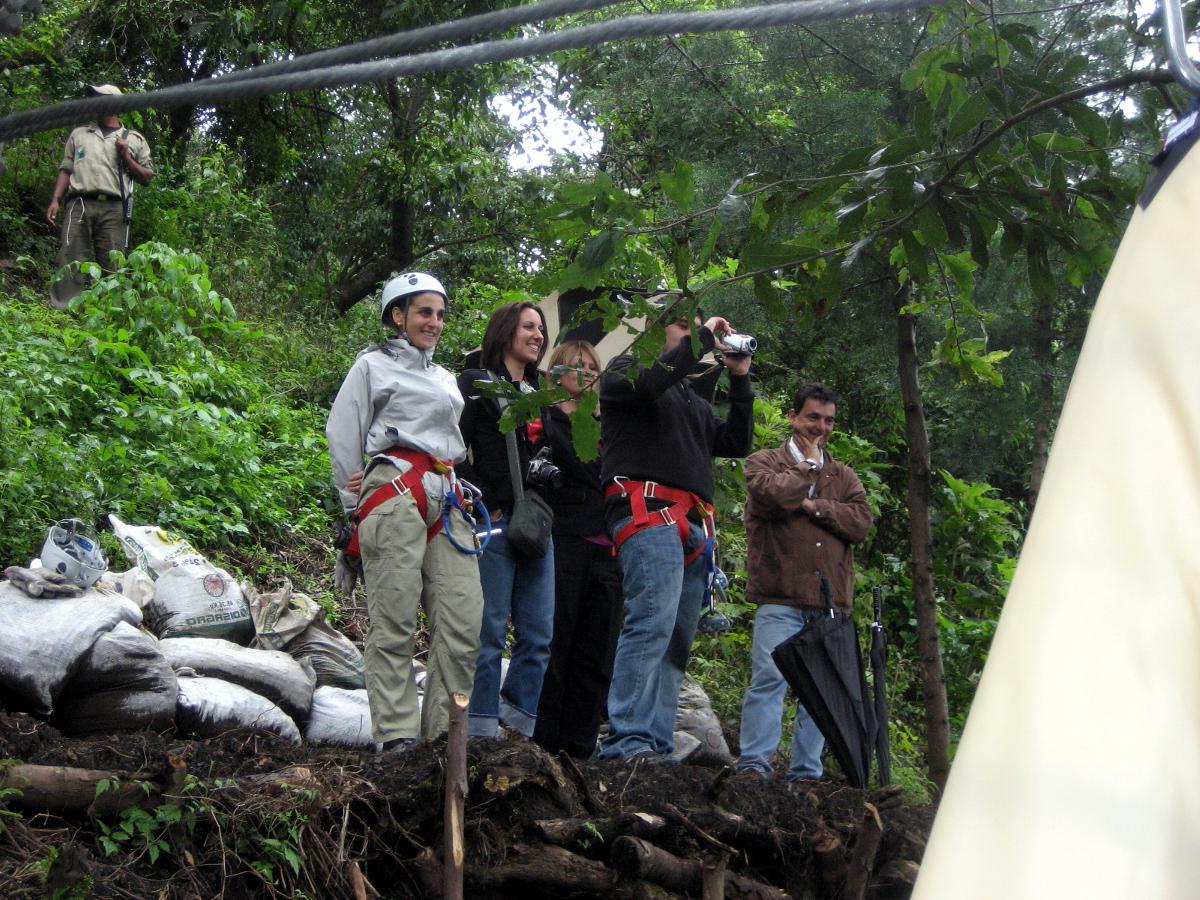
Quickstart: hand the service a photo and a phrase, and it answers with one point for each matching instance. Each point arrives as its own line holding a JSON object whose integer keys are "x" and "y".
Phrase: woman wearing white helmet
{"x": 398, "y": 412}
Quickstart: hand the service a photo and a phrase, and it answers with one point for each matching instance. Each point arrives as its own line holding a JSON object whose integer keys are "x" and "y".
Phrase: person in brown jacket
{"x": 803, "y": 511}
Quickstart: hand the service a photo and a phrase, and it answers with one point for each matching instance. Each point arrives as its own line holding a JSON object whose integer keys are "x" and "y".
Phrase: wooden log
{"x": 64, "y": 789}
{"x": 637, "y": 858}
{"x": 546, "y": 868}
{"x": 830, "y": 854}
{"x": 862, "y": 859}
{"x": 713, "y": 876}
{"x": 583, "y": 833}
{"x": 426, "y": 868}
{"x": 896, "y": 878}
{"x": 456, "y": 794}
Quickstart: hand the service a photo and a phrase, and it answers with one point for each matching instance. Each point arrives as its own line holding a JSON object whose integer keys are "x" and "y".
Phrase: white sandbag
{"x": 695, "y": 717}
{"x": 269, "y": 673}
{"x": 209, "y": 707}
{"x": 43, "y": 641}
{"x": 332, "y": 655}
{"x": 339, "y": 717}
{"x": 192, "y": 597}
{"x": 123, "y": 684}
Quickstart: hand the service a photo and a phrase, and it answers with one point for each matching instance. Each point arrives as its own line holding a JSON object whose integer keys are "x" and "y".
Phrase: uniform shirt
{"x": 92, "y": 160}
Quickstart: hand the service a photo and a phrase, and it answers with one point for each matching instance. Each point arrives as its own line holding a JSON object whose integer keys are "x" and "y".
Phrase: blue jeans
{"x": 762, "y": 706}
{"x": 662, "y": 610}
{"x": 524, "y": 589}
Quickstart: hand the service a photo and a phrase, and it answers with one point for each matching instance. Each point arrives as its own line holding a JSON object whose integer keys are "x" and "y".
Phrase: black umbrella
{"x": 823, "y": 665}
{"x": 878, "y": 656}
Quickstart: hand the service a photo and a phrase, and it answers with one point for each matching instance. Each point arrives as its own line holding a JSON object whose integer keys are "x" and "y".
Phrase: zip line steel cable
{"x": 395, "y": 44}
{"x": 225, "y": 88}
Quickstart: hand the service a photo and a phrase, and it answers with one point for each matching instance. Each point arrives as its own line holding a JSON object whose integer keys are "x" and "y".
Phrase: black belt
{"x": 98, "y": 195}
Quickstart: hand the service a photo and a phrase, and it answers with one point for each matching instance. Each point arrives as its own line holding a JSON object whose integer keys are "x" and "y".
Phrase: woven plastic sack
{"x": 209, "y": 707}
{"x": 43, "y": 642}
{"x": 123, "y": 684}
{"x": 270, "y": 673}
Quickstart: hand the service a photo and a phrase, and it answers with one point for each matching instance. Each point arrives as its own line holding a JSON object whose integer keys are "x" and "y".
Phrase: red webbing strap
{"x": 682, "y": 503}
{"x": 422, "y": 463}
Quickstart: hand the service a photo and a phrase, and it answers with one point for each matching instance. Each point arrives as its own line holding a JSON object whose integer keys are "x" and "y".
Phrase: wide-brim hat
{"x": 103, "y": 90}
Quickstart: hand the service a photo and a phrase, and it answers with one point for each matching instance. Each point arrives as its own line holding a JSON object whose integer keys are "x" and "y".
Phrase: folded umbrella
{"x": 878, "y": 656}
{"x": 823, "y": 665}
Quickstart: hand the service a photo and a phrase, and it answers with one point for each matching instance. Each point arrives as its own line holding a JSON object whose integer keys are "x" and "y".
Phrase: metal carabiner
{"x": 1175, "y": 40}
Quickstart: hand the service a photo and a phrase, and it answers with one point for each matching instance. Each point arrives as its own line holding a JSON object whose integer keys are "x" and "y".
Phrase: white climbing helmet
{"x": 403, "y": 285}
{"x": 72, "y": 550}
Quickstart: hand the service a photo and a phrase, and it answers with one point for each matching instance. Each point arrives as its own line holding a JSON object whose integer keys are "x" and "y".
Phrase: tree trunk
{"x": 1043, "y": 357}
{"x": 933, "y": 680}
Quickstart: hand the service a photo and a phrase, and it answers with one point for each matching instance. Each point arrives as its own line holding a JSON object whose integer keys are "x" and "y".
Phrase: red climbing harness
{"x": 422, "y": 464}
{"x": 682, "y": 503}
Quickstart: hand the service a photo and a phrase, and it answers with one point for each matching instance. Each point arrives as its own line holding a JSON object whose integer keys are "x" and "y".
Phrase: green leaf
{"x": 679, "y": 184}
{"x": 1058, "y": 143}
{"x": 772, "y": 256}
{"x": 599, "y": 250}
{"x": 585, "y": 427}
{"x": 969, "y": 116}
{"x": 766, "y": 294}
{"x": 682, "y": 260}
{"x": 714, "y": 231}
{"x": 915, "y": 256}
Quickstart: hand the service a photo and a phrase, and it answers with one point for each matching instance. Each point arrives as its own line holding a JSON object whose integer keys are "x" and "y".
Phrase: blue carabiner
{"x": 452, "y": 502}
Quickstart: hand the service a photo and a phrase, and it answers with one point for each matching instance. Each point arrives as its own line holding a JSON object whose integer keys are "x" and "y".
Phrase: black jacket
{"x": 656, "y": 428}
{"x": 486, "y": 465}
{"x": 579, "y": 503}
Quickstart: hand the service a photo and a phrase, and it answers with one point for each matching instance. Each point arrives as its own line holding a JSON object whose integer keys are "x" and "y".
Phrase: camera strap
{"x": 514, "y": 459}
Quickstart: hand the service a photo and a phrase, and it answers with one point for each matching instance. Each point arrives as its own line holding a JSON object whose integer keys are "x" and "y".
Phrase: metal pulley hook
{"x": 1175, "y": 38}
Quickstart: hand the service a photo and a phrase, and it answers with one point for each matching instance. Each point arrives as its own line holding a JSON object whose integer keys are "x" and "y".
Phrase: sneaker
{"x": 752, "y": 773}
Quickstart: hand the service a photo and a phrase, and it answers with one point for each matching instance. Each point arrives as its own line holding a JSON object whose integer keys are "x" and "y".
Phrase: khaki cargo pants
{"x": 402, "y": 571}
{"x": 88, "y": 230}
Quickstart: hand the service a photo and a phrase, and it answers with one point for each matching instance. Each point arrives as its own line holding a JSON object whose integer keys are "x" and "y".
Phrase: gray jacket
{"x": 393, "y": 396}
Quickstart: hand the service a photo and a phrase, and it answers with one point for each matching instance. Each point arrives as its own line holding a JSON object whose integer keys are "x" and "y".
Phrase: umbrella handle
{"x": 827, "y": 594}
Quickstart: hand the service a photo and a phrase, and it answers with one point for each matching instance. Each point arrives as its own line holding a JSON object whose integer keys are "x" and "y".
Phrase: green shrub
{"x": 155, "y": 404}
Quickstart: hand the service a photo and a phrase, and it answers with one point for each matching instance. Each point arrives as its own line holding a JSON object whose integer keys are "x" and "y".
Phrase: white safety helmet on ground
{"x": 72, "y": 550}
{"x": 403, "y": 285}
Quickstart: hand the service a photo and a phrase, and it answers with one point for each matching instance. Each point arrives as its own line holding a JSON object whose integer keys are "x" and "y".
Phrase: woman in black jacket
{"x": 587, "y": 578}
{"x": 514, "y": 586}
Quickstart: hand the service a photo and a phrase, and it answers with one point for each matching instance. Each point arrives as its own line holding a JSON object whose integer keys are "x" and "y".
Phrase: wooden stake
{"x": 863, "y": 858}
{"x": 456, "y": 794}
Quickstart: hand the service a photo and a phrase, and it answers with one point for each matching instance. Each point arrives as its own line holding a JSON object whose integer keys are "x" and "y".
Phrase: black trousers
{"x": 588, "y": 605}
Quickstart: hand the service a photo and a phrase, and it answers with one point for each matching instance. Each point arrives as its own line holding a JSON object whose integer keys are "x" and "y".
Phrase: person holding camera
{"x": 399, "y": 410}
{"x": 659, "y": 439}
{"x": 516, "y": 584}
{"x": 100, "y": 164}
{"x": 587, "y": 577}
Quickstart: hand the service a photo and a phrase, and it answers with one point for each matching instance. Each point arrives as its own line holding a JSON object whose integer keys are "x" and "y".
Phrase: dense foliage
{"x": 962, "y": 171}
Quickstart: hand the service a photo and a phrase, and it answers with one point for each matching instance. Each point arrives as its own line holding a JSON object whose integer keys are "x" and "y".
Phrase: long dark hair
{"x": 498, "y": 337}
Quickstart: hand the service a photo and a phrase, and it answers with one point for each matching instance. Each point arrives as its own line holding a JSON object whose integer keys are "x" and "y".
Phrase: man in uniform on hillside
{"x": 94, "y": 195}
{"x": 803, "y": 511}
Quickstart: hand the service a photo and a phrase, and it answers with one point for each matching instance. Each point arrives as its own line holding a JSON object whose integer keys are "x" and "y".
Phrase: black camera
{"x": 542, "y": 472}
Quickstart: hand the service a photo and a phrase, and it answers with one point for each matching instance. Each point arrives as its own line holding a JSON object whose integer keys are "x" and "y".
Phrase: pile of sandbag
{"x": 177, "y": 642}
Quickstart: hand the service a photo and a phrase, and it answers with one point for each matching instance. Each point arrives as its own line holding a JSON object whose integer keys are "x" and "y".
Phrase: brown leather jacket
{"x": 788, "y": 550}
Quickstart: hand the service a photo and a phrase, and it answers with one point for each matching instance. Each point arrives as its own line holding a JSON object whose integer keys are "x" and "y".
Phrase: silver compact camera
{"x": 739, "y": 344}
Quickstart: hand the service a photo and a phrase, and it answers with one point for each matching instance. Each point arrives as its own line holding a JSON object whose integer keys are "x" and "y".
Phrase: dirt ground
{"x": 250, "y": 815}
